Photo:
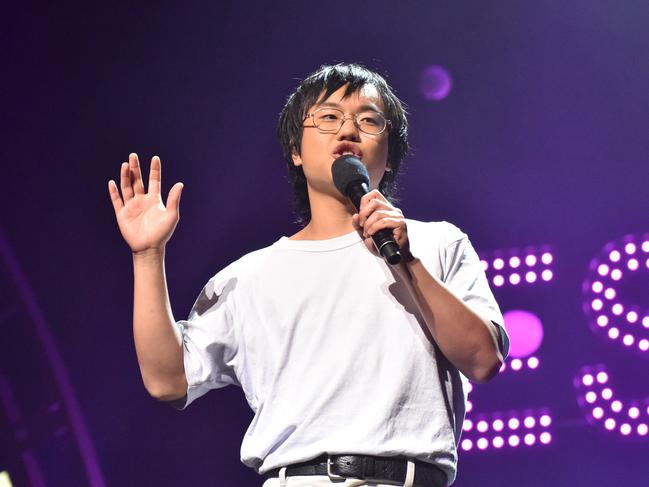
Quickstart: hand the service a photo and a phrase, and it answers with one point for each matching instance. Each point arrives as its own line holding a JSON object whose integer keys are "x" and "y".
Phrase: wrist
{"x": 148, "y": 255}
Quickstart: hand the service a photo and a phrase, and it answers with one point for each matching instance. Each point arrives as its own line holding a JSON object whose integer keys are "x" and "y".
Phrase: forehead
{"x": 367, "y": 95}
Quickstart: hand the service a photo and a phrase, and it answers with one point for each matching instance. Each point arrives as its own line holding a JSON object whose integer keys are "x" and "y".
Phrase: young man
{"x": 355, "y": 369}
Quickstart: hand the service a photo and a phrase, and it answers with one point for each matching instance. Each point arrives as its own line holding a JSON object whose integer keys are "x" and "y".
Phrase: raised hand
{"x": 144, "y": 221}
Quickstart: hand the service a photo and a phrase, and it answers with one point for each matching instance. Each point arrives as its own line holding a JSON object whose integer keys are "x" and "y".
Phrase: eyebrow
{"x": 370, "y": 106}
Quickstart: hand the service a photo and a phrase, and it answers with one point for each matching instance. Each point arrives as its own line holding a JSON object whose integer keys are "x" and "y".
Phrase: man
{"x": 354, "y": 368}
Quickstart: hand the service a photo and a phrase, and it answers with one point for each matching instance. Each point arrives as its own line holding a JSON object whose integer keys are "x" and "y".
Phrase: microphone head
{"x": 348, "y": 169}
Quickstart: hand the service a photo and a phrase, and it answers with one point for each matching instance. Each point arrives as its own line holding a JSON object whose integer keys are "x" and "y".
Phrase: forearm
{"x": 469, "y": 341}
{"x": 157, "y": 342}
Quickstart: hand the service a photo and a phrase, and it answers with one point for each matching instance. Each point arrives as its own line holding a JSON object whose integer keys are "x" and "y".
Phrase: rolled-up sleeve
{"x": 209, "y": 339}
{"x": 465, "y": 277}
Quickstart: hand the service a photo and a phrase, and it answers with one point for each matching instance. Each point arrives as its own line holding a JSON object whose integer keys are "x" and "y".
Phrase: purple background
{"x": 543, "y": 139}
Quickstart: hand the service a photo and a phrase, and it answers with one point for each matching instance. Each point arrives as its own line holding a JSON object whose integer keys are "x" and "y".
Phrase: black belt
{"x": 371, "y": 468}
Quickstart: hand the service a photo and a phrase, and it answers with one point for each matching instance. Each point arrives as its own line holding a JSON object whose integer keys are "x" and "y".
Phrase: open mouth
{"x": 345, "y": 149}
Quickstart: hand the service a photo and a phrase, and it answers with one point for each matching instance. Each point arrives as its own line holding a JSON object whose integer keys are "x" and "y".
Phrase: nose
{"x": 349, "y": 130}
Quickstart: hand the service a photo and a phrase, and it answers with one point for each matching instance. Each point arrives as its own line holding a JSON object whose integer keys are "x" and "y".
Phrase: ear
{"x": 297, "y": 160}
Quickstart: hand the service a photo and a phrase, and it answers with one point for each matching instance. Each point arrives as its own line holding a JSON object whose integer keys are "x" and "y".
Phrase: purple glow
{"x": 602, "y": 320}
{"x": 616, "y": 274}
{"x": 642, "y": 429}
{"x": 517, "y": 364}
{"x": 530, "y": 439}
{"x": 514, "y": 262}
{"x": 435, "y": 83}
{"x": 499, "y": 280}
{"x": 602, "y": 270}
{"x": 530, "y": 276}
{"x": 498, "y": 442}
{"x": 545, "y": 420}
{"x": 467, "y": 444}
{"x": 614, "y": 256}
{"x": 525, "y": 332}
{"x": 597, "y": 287}
{"x": 617, "y": 309}
{"x": 609, "y": 293}
{"x": 514, "y": 440}
{"x": 587, "y": 380}
{"x": 514, "y": 278}
{"x": 632, "y": 316}
{"x": 633, "y": 264}
{"x": 607, "y": 393}
{"x": 513, "y": 423}
{"x": 532, "y": 362}
{"x": 530, "y": 260}
{"x": 613, "y": 333}
{"x": 598, "y": 413}
{"x": 499, "y": 263}
{"x": 545, "y": 437}
{"x": 602, "y": 377}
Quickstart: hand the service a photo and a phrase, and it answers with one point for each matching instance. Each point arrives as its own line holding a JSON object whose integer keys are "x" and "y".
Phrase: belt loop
{"x": 410, "y": 474}
{"x": 282, "y": 477}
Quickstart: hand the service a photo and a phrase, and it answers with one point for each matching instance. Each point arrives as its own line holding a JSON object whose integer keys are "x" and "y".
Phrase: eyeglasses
{"x": 330, "y": 120}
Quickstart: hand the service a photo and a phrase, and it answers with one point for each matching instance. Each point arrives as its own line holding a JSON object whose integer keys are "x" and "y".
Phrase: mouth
{"x": 345, "y": 149}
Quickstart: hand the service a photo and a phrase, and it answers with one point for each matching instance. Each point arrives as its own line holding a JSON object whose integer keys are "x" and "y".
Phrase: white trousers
{"x": 282, "y": 480}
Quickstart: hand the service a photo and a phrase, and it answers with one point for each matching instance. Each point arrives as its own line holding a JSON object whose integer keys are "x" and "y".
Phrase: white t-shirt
{"x": 331, "y": 351}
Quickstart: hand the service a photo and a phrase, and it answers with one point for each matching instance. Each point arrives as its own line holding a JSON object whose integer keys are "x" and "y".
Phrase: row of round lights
{"x": 511, "y": 432}
{"x": 516, "y": 269}
{"x": 598, "y": 400}
{"x": 517, "y": 364}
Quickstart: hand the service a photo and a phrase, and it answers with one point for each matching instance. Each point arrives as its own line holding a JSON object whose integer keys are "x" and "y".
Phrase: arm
{"x": 468, "y": 340}
{"x": 146, "y": 225}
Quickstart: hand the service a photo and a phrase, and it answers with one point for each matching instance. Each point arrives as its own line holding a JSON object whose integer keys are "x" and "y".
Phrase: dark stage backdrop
{"x": 542, "y": 141}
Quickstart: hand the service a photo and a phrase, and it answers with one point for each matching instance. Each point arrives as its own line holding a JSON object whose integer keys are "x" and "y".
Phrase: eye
{"x": 373, "y": 119}
{"x": 329, "y": 115}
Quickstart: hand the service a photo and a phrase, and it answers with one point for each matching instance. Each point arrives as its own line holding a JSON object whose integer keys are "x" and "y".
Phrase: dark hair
{"x": 324, "y": 82}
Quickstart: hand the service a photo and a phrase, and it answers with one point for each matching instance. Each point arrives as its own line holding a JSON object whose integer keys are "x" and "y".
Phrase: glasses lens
{"x": 328, "y": 119}
{"x": 371, "y": 122}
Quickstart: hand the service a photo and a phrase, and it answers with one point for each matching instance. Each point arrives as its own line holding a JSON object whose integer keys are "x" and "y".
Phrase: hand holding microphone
{"x": 380, "y": 220}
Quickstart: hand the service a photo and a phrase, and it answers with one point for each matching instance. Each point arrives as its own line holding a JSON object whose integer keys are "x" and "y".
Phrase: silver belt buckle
{"x": 332, "y": 475}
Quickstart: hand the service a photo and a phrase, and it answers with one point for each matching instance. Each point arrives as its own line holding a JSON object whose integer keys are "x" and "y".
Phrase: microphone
{"x": 352, "y": 180}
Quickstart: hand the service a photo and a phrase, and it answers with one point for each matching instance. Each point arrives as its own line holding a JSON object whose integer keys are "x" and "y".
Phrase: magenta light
{"x": 602, "y": 320}
{"x": 632, "y": 316}
{"x": 613, "y": 333}
{"x": 516, "y": 364}
{"x": 530, "y": 276}
{"x": 483, "y": 443}
{"x": 625, "y": 429}
{"x": 514, "y": 278}
{"x": 642, "y": 429}
{"x": 633, "y": 264}
{"x": 643, "y": 345}
{"x": 529, "y": 422}
{"x": 616, "y": 406}
{"x": 545, "y": 437}
{"x": 609, "y": 293}
{"x": 525, "y": 332}
{"x": 591, "y": 397}
{"x": 499, "y": 263}
{"x": 467, "y": 444}
{"x": 546, "y": 258}
{"x": 602, "y": 377}
{"x": 617, "y": 309}
{"x": 630, "y": 248}
{"x": 598, "y": 413}
{"x": 597, "y": 304}
{"x": 530, "y": 439}
{"x": 482, "y": 426}
{"x": 597, "y": 287}
{"x": 499, "y": 280}
{"x": 514, "y": 262}
{"x": 530, "y": 260}
{"x": 587, "y": 380}
{"x": 609, "y": 424}
{"x": 607, "y": 393}
{"x": 513, "y": 423}
{"x": 498, "y": 425}
{"x": 628, "y": 340}
{"x": 616, "y": 274}
{"x": 532, "y": 362}
{"x": 467, "y": 425}
{"x": 498, "y": 442}
{"x": 634, "y": 412}
{"x": 514, "y": 441}
{"x": 602, "y": 270}
{"x": 435, "y": 83}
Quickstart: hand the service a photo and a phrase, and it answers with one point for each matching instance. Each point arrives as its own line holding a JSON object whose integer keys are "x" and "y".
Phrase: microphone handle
{"x": 383, "y": 239}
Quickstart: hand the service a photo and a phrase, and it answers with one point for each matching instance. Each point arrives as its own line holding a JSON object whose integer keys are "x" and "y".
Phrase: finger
{"x": 125, "y": 182}
{"x": 373, "y": 206}
{"x": 155, "y": 175}
{"x": 374, "y": 194}
{"x": 134, "y": 166}
{"x": 115, "y": 198}
{"x": 376, "y": 216}
{"x": 383, "y": 223}
{"x": 173, "y": 200}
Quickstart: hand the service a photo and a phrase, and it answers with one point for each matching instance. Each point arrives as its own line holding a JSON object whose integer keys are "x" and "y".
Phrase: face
{"x": 319, "y": 150}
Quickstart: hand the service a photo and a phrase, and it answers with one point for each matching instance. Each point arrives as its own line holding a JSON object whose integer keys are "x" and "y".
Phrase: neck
{"x": 331, "y": 216}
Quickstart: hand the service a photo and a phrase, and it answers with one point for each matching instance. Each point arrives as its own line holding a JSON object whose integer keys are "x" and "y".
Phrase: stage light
{"x": 591, "y": 397}
{"x": 587, "y": 380}
{"x": 530, "y": 260}
{"x": 597, "y": 287}
{"x": 532, "y": 362}
{"x": 482, "y": 426}
{"x": 602, "y": 320}
{"x": 485, "y": 265}
{"x": 642, "y": 429}
{"x": 598, "y": 413}
{"x": 516, "y": 364}
{"x": 614, "y": 256}
{"x": 645, "y": 321}
{"x": 483, "y": 443}
{"x": 514, "y": 262}
{"x": 546, "y": 275}
{"x": 597, "y": 304}
{"x": 546, "y": 258}
{"x": 633, "y": 264}
{"x": 616, "y": 406}
{"x": 529, "y": 422}
{"x": 514, "y": 441}
{"x": 499, "y": 280}
{"x": 513, "y": 423}
{"x": 643, "y": 345}
{"x": 530, "y": 439}
{"x": 530, "y": 276}
{"x": 467, "y": 444}
{"x": 602, "y": 377}
{"x": 607, "y": 393}
{"x": 609, "y": 293}
{"x": 467, "y": 425}
{"x": 499, "y": 264}
{"x": 632, "y": 316}
{"x": 498, "y": 442}
{"x": 630, "y": 248}
{"x": 603, "y": 270}
{"x": 616, "y": 274}
{"x": 514, "y": 278}
{"x": 609, "y": 424}
{"x": 625, "y": 429}
{"x": 645, "y": 246}
{"x": 525, "y": 333}
{"x": 628, "y": 340}
{"x": 634, "y": 412}
{"x": 545, "y": 420}
{"x": 545, "y": 437}
{"x": 498, "y": 425}
{"x": 617, "y": 309}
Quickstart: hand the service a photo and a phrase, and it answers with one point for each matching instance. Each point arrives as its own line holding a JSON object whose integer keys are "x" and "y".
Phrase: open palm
{"x": 143, "y": 219}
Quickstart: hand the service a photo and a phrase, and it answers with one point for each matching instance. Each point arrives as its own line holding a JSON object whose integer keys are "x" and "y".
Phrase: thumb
{"x": 173, "y": 200}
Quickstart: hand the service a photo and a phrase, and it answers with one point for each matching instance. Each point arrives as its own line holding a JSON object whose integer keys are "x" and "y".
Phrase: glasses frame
{"x": 352, "y": 117}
